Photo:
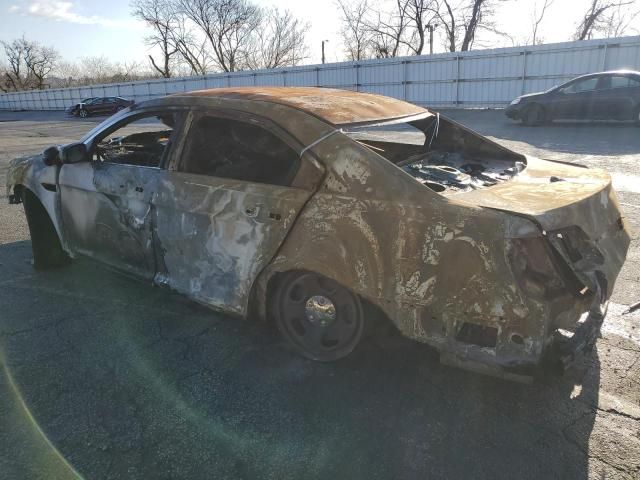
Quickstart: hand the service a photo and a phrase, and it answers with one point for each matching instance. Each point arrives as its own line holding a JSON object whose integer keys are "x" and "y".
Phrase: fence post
{"x": 357, "y": 76}
{"x": 317, "y": 76}
{"x": 604, "y": 57}
{"x": 405, "y": 76}
{"x": 524, "y": 71}
{"x": 457, "y": 80}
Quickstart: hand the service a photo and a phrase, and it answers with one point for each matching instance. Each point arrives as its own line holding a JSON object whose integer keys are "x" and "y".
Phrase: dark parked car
{"x": 73, "y": 109}
{"x": 597, "y": 96}
{"x": 99, "y": 106}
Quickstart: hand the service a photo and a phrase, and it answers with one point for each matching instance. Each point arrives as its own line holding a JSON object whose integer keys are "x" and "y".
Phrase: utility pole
{"x": 323, "y": 49}
{"x": 431, "y": 28}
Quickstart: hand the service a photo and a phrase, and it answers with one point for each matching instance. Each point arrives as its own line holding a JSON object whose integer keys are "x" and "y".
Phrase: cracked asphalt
{"x": 106, "y": 377}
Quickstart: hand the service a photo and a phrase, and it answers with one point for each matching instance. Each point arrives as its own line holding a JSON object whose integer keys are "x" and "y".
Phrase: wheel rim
{"x": 83, "y": 113}
{"x": 322, "y": 319}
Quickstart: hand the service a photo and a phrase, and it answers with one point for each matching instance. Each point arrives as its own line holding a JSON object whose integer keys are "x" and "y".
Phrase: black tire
{"x": 83, "y": 113}
{"x": 45, "y": 244}
{"x": 534, "y": 116}
{"x": 319, "y": 318}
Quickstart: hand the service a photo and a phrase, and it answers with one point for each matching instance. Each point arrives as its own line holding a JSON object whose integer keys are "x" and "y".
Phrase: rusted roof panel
{"x": 332, "y": 105}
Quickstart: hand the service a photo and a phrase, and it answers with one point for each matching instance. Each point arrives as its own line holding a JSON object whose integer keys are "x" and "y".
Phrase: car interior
{"x": 138, "y": 143}
{"x": 226, "y": 148}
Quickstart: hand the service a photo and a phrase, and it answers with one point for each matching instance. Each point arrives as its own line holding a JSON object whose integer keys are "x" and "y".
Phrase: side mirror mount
{"x": 74, "y": 153}
{"x": 51, "y": 156}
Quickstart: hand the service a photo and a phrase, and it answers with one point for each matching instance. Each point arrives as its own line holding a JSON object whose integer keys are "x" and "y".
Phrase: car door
{"x": 575, "y": 100}
{"x": 615, "y": 99}
{"x": 224, "y": 209}
{"x": 95, "y": 106}
{"x": 113, "y": 104}
{"x": 106, "y": 200}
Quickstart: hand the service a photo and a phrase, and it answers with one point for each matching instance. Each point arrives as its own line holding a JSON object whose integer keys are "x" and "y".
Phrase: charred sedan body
{"x": 315, "y": 205}
{"x": 599, "y": 96}
{"x": 98, "y": 106}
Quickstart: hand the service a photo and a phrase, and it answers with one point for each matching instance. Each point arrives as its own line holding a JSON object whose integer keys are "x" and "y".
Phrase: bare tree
{"x": 278, "y": 41}
{"x": 448, "y": 19}
{"x": 193, "y": 49}
{"x": 40, "y": 62}
{"x": 67, "y": 74}
{"x": 228, "y": 25}
{"x": 421, "y": 15}
{"x": 462, "y": 21}
{"x": 537, "y": 17}
{"x": 595, "y": 18}
{"x": 15, "y": 75}
{"x": 618, "y": 21}
{"x": 388, "y": 30}
{"x": 355, "y": 33}
{"x": 162, "y": 17}
{"x": 29, "y": 64}
{"x": 5, "y": 84}
{"x": 476, "y": 16}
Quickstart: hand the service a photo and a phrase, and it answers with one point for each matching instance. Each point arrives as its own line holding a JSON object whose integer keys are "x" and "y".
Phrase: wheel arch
{"x": 45, "y": 239}
{"x": 543, "y": 109}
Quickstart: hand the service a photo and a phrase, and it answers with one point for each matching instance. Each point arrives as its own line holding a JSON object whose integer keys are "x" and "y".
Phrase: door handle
{"x": 257, "y": 213}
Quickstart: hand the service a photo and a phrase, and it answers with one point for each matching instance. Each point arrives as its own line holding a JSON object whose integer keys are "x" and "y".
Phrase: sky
{"x": 82, "y": 28}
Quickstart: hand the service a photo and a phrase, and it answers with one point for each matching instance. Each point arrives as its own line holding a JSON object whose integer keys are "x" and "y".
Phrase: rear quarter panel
{"x": 428, "y": 263}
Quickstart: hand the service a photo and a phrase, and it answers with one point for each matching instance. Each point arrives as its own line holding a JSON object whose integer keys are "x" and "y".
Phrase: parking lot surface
{"x": 106, "y": 377}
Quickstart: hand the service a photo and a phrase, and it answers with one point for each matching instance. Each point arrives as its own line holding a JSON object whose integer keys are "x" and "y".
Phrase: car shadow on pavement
{"x": 125, "y": 380}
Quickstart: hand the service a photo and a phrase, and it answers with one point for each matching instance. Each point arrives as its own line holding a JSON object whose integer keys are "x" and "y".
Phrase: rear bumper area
{"x": 566, "y": 351}
{"x": 559, "y": 356}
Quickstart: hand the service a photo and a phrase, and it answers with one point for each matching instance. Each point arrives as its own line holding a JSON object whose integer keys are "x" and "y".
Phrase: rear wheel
{"x": 47, "y": 250}
{"x": 533, "y": 116}
{"x": 83, "y": 113}
{"x": 318, "y": 317}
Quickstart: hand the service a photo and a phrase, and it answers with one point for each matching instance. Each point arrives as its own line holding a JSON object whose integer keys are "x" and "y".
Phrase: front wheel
{"x": 318, "y": 317}
{"x": 533, "y": 116}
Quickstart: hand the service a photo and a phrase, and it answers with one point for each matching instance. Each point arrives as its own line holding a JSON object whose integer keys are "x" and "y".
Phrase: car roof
{"x": 609, "y": 72}
{"x": 335, "y": 106}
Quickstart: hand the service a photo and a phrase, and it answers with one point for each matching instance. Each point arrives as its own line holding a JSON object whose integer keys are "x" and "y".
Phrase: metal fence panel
{"x": 480, "y": 78}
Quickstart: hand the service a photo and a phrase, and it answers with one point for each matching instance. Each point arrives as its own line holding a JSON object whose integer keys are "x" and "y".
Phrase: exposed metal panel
{"x": 339, "y": 77}
{"x": 246, "y": 80}
{"x": 302, "y": 78}
{"x": 275, "y": 79}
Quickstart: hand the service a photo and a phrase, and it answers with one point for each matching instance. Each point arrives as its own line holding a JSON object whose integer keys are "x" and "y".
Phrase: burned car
{"x": 316, "y": 207}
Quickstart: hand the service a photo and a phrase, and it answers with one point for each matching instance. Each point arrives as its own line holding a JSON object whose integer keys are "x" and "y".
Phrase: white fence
{"x": 481, "y": 78}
